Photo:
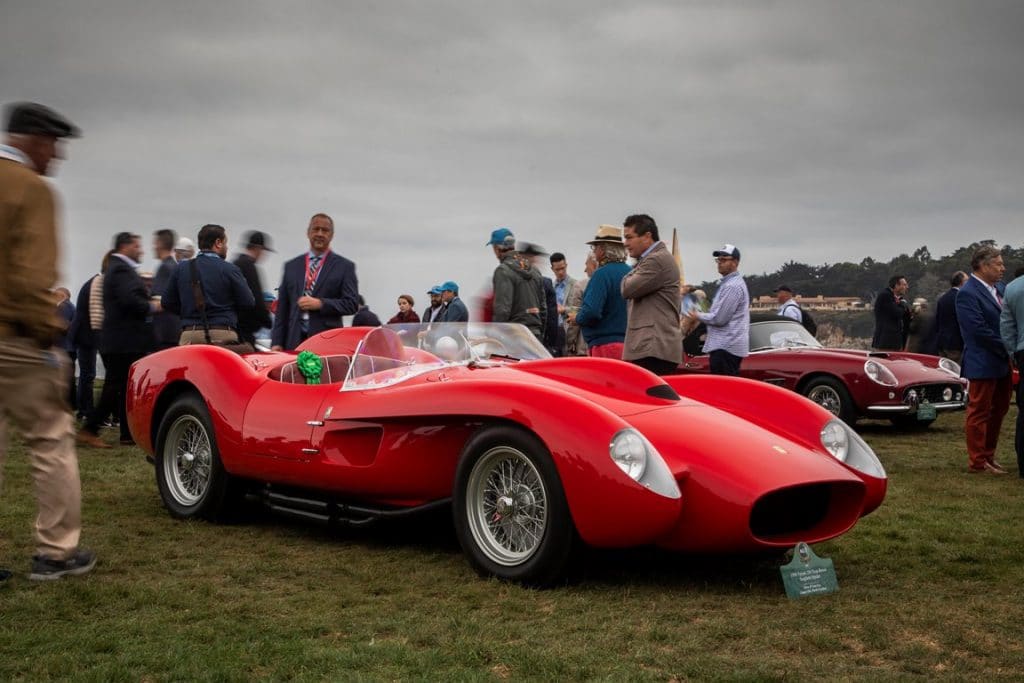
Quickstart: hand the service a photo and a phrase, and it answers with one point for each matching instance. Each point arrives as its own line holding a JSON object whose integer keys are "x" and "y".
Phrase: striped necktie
{"x": 312, "y": 273}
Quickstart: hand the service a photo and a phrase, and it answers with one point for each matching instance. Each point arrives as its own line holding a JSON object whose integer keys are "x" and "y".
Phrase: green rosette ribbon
{"x": 310, "y": 366}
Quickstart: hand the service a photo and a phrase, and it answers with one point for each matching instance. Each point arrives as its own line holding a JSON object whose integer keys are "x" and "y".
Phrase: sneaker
{"x": 45, "y": 569}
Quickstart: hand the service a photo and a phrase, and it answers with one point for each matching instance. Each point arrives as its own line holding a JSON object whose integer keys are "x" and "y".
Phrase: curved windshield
{"x": 780, "y": 334}
{"x": 394, "y": 353}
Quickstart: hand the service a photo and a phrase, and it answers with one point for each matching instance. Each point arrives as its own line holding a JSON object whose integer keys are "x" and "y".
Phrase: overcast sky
{"x": 809, "y": 131}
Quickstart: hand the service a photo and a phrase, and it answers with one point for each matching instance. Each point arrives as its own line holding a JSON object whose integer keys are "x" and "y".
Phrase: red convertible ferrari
{"x": 909, "y": 389}
{"x": 534, "y": 455}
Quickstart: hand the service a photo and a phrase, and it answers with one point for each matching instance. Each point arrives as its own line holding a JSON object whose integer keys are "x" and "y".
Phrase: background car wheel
{"x": 189, "y": 474}
{"x": 910, "y": 423}
{"x": 509, "y": 509}
{"x": 830, "y": 394}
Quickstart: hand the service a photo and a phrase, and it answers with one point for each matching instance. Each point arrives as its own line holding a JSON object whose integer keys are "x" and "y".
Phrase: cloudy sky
{"x": 809, "y": 131}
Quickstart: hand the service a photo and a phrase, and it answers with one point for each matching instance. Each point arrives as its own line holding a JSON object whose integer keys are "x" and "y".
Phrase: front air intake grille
{"x": 791, "y": 510}
{"x": 932, "y": 393}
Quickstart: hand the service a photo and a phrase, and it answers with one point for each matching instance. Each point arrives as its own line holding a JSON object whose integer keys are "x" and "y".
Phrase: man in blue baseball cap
{"x": 500, "y": 237}
{"x": 436, "y": 308}
{"x": 454, "y": 310}
{"x": 518, "y": 290}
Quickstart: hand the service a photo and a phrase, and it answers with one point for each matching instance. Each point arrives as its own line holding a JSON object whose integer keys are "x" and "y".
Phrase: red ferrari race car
{"x": 909, "y": 389}
{"x": 535, "y": 455}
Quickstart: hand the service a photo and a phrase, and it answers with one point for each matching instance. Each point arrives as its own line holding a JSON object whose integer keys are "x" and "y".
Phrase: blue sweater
{"x": 602, "y": 314}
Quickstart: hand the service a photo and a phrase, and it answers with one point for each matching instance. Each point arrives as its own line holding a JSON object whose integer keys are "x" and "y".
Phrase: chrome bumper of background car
{"x": 901, "y": 409}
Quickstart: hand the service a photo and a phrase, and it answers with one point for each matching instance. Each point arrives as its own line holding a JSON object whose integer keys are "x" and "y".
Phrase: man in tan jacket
{"x": 651, "y": 290}
{"x": 33, "y": 374}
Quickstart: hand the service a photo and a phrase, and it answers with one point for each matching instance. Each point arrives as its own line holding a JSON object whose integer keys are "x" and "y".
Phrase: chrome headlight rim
{"x": 835, "y": 439}
{"x": 951, "y": 366}
{"x": 879, "y": 374}
{"x": 656, "y": 476}
{"x": 854, "y": 451}
{"x": 630, "y": 451}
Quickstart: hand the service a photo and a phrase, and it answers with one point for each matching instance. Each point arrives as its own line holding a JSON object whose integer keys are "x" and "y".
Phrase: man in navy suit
{"x": 317, "y": 288}
{"x": 985, "y": 360}
{"x": 890, "y": 315}
{"x": 126, "y": 336}
{"x": 948, "y": 342}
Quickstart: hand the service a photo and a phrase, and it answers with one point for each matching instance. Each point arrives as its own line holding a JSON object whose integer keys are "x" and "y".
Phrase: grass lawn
{"x": 930, "y": 587}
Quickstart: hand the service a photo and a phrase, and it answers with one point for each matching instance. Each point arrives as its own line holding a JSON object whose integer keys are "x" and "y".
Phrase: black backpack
{"x": 806, "y": 320}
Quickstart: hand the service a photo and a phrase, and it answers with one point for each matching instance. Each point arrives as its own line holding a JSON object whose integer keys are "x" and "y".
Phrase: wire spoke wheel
{"x": 188, "y": 460}
{"x": 826, "y": 397}
{"x": 506, "y": 506}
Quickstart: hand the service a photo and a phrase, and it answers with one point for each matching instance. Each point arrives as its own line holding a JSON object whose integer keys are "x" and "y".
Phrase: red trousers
{"x": 611, "y": 350}
{"x": 990, "y": 399}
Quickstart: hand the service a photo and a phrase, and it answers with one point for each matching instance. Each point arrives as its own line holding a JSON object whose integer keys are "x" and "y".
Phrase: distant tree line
{"x": 928, "y": 277}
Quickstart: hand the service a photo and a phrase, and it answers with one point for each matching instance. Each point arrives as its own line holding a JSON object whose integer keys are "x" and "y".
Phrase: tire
{"x": 189, "y": 474}
{"x": 510, "y": 512}
{"x": 831, "y": 395}
{"x": 910, "y": 423}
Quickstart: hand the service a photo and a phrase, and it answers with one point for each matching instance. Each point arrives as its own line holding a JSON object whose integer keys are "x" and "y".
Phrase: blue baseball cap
{"x": 436, "y": 289}
{"x": 501, "y": 236}
{"x": 450, "y": 287}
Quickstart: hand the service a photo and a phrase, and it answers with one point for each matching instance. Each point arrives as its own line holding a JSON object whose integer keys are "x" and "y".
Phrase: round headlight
{"x": 880, "y": 374}
{"x": 629, "y": 452}
{"x": 947, "y": 394}
{"x": 835, "y": 440}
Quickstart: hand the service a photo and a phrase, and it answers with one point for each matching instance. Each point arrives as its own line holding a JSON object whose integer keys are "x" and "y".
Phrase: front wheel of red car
{"x": 510, "y": 511}
{"x": 831, "y": 394}
{"x": 189, "y": 474}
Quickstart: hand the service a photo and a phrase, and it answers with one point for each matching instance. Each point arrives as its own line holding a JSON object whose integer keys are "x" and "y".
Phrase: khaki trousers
{"x": 33, "y": 396}
{"x": 199, "y": 336}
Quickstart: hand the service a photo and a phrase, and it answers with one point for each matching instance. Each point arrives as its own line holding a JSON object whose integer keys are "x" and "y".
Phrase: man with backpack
{"x": 789, "y": 308}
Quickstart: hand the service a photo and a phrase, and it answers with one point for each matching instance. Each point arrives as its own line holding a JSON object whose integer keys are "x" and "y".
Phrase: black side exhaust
{"x": 308, "y": 506}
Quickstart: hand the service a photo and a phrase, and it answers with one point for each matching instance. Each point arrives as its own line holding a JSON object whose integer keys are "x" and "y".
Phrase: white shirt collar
{"x": 14, "y": 154}
{"x": 991, "y": 290}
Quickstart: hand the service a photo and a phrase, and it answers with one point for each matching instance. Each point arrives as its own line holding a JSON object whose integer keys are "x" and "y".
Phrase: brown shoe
{"x": 997, "y": 466}
{"x": 84, "y": 438}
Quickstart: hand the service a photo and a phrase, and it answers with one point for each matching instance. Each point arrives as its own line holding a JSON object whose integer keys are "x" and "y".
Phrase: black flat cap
{"x": 29, "y": 118}
{"x": 530, "y": 249}
{"x": 255, "y": 238}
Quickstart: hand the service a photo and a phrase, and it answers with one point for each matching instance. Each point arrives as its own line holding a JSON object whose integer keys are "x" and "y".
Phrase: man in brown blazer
{"x": 33, "y": 374}
{"x": 651, "y": 291}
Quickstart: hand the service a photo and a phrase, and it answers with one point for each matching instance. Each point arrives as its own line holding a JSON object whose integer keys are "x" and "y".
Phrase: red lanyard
{"x": 312, "y": 275}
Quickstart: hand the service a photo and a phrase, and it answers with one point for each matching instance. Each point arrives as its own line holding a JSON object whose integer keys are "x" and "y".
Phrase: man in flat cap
{"x": 33, "y": 374}
{"x": 788, "y": 306}
{"x": 252, "y": 320}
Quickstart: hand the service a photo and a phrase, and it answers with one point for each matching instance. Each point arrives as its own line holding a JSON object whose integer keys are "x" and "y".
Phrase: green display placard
{"x": 808, "y": 574}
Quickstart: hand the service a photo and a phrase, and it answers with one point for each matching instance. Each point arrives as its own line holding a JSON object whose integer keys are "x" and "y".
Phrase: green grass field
{"x": 930, "y": 587}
